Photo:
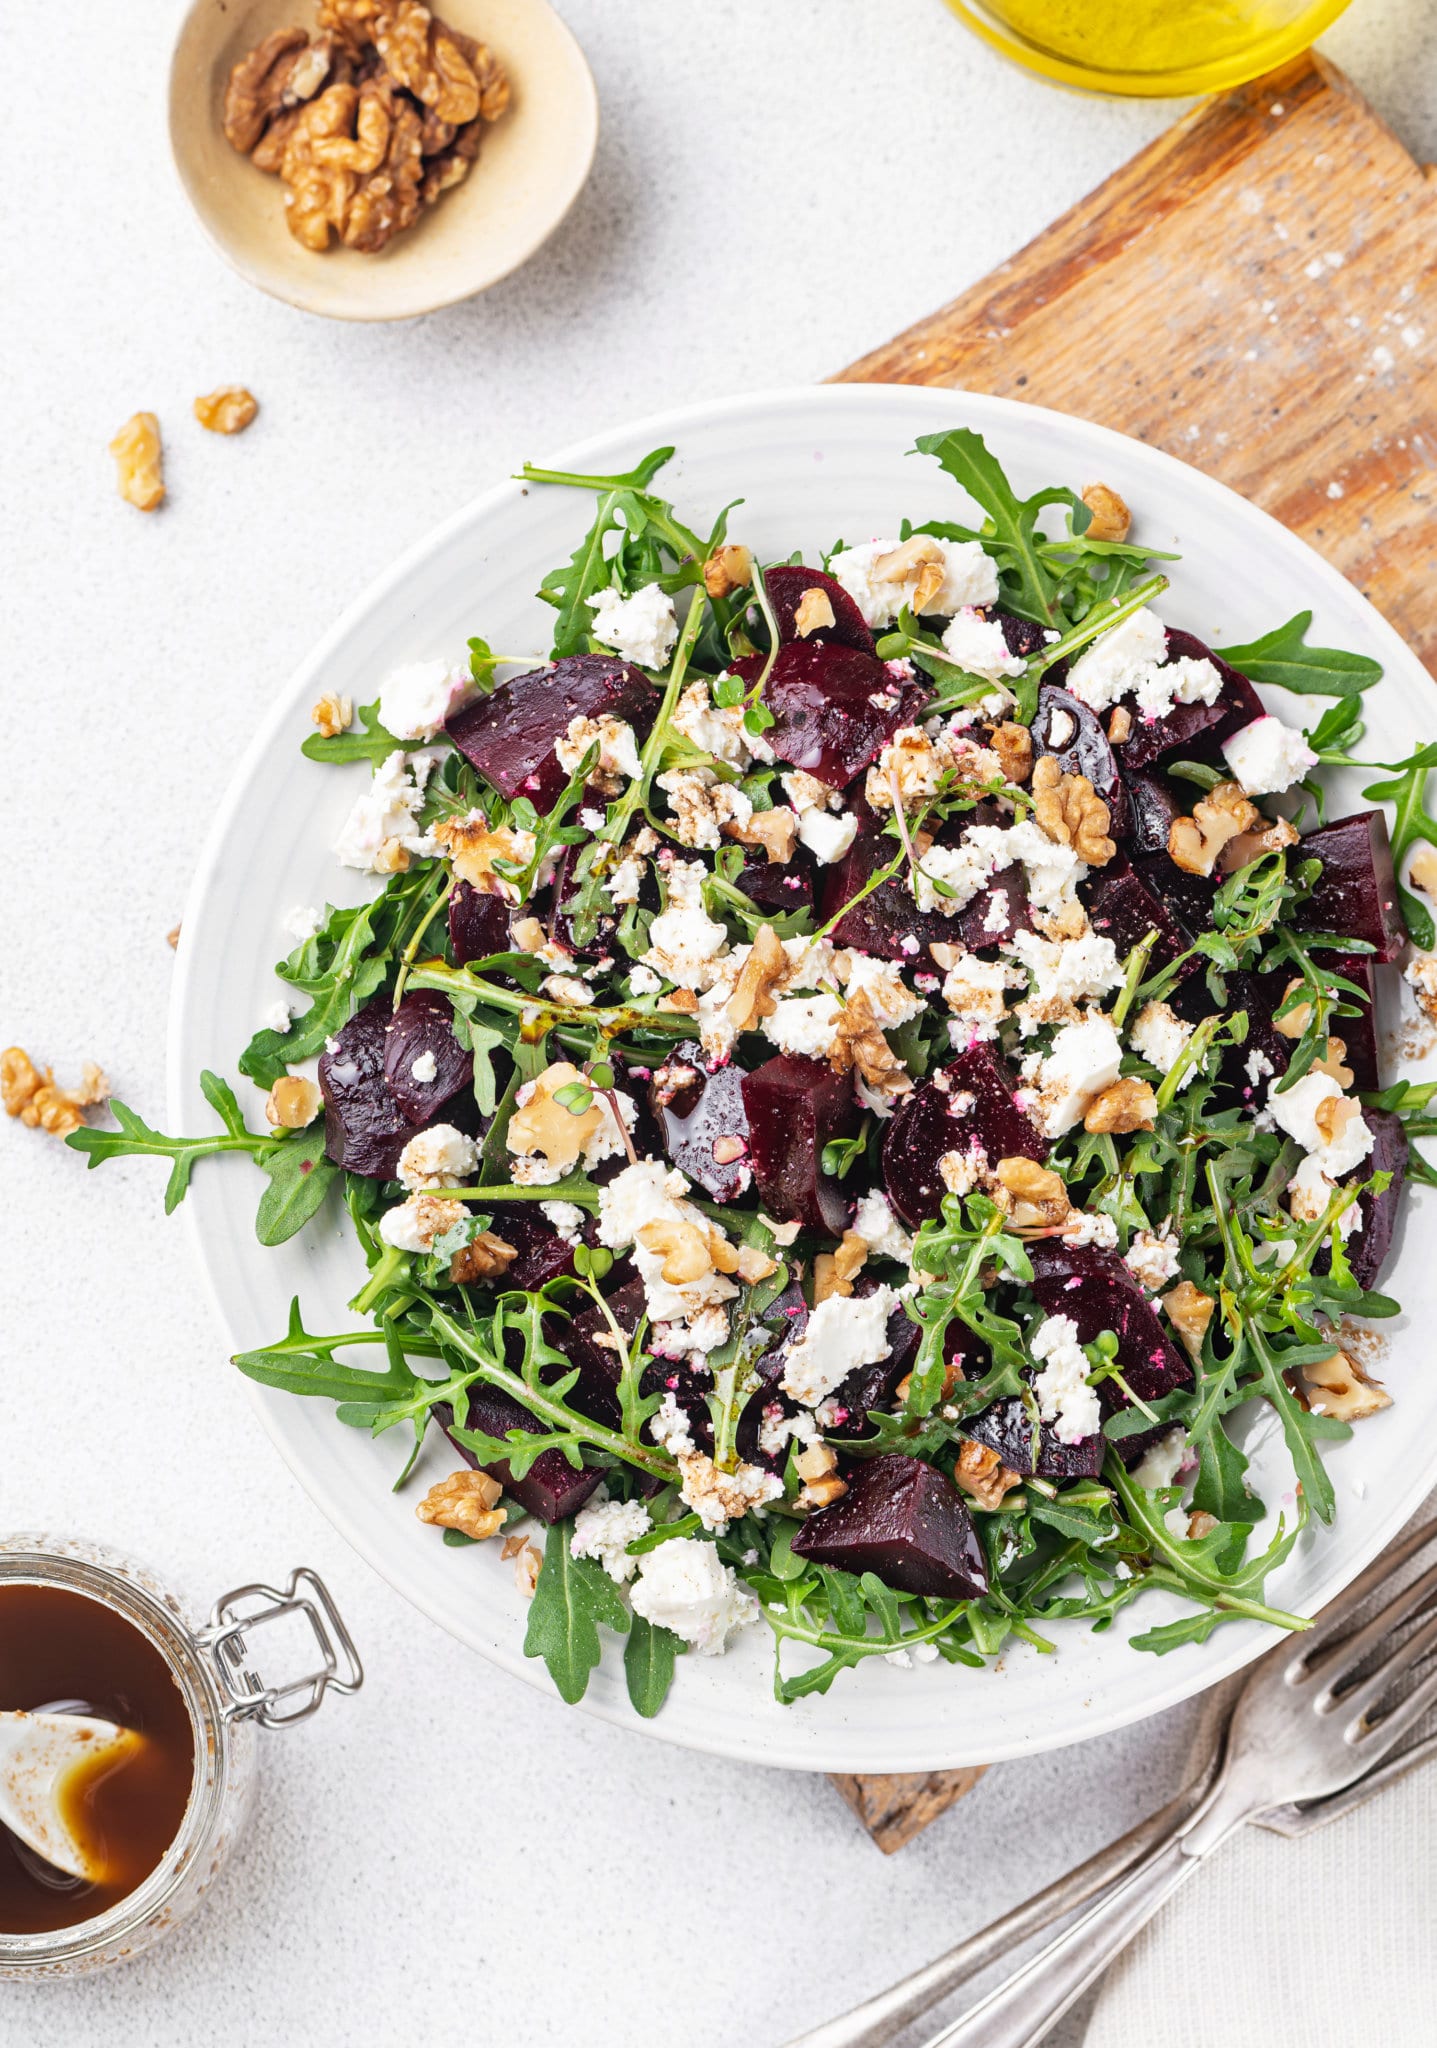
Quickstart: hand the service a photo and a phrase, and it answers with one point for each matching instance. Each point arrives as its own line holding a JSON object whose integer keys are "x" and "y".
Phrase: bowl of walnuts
{"x": 372, "y": 160}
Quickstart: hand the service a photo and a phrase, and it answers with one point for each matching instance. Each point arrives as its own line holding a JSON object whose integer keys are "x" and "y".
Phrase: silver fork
{"x": 1307, "y": 1739}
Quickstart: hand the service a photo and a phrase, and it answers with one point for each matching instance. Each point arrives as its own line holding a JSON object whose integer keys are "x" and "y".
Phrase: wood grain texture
{"x": 1256, "y": 292}
{"x": 897, "y": 1806}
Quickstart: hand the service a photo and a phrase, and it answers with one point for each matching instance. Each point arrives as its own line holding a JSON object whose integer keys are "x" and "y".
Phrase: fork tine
{"x": 1302, "y": 1818}
{"x": 1348, "y": 1652}
{"x": 1383, "y": 1735}
{"x": 1353, "y": 1704}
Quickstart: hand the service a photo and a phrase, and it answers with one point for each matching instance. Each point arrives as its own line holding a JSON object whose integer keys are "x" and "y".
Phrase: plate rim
{"x": 770, "y": 1746}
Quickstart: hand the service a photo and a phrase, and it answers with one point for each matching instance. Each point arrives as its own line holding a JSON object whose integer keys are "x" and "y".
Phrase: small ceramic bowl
{"x": 531, "y": 167}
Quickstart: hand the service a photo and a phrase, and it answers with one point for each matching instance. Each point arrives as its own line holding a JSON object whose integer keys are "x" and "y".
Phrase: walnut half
{"x": 466, "y": 1501}
{"x": 1070, "y": 811}
{"x": 227, "y": 411}
{"x": 1195, "y": 842}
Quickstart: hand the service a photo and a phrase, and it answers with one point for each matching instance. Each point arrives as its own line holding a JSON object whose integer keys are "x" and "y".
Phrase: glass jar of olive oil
{"x": 86, "y": 1630}
{"x": 1161, "y": 48}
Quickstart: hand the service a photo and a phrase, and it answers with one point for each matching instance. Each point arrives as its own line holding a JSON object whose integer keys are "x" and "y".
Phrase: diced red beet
{"x": 778, "y": 885}
{"x": 583, "y": 1340}
{"x": 702, "y": 1115}
{"x": 1007, "y": 1428}
{"x": 785, "y": 1318}
{"x": 1370, "y": 1246}
{"x": 872, "y": 1386}
{"x": 888, "y": 915}
{"x": 1153, "y": 803}
{"x": 551, "y": 1488}
{"x": 1024, "y": 637}
{"x": 365, "y": 1130}
{"x": 1096, "y": 1290}
{"x": 1196, "y": 730}
{"x": 1188, "y": 897}
{"x": 1358, "y": 1034}
{"x": 968, "y": 1107}
{"x": 835, "y": 708}
{"x": 1074, "y": 736}
{"x": 787, "y": 581}
{"x": 795, "y": 1107}
{"x": 1355, "y": 894}
{"x": 423, "y": 1026}
{"x": 543, "y": 1253}
{"x": 1124, "y": 909}
{"x": 905, "y": 1521}
{"x": 509, "y": 735}
{"x": 564, "y": 890}
{"x": 478, "y": 925}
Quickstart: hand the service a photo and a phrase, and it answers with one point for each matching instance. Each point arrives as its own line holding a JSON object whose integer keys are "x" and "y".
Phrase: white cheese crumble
{"x": 1090, "y": 1226}
{"x": 1066, "y": 970}
{"x": 385, "y": 815}
{"x": 1160, "y": 1462}
{"x": 1267, "y": 756}
{"x": 1158, "y": 1034}
{"x": 618, "y": 749}
{"x": 805, "y": 1025}
{"x": 1152, "y": 1258}
{"x": 440, "y": 1157}
{"x": 1309, "y": 1192}
{"x": 1296, "y": 1109}
{"x": 826, "y": 837}
{"x": 565, "y": 1217}
{"x": 978, "y": 646}
{"x": 875, "y": 1222}
{"x": 969, "y": 578}
{"x": 685, "y": 943}
{"x": 890, "y": 1001}
{"x": 843, "y": 1332}
{"x": 415, "y": 700}
{"x": 1084, "y": 1060}
{"x": 685, "y": 1586}
{"x": 641, "y": 628}
{"x": 301, "y": 922}
{"x": 277, "y": 1018}
{"x": 1130, "y": 660}
{"x": 644, "y": 982}
{"x": 604, "y": 1528}
{"x": 1064, "y": 1397}
{"x": 976, "y": 991}
{"x": 424, "y": 1068}
{"x": 412, "y": 1226}
{"x": 718, "y": 730}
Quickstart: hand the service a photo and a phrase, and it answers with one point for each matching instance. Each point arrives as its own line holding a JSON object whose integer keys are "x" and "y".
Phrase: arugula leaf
{"x": 300, "y": 1363}
{"x": 649, "y": 1657}
{"x": 1407, "y": 790}
{"x": 573, "y": 1599}
{"x": 1283, "y": 657}
{"x": 299, "y": 1179}
{"x": 337, "y": 970}
{"x": 135, "y": 1138}
{"x": 569, "y": 587}
{"x": 371, "y": 743}
{"x": 1012, "y": 534}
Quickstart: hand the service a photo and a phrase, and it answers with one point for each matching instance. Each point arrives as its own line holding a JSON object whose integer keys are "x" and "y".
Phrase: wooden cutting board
{"x": 1256, "y": 292}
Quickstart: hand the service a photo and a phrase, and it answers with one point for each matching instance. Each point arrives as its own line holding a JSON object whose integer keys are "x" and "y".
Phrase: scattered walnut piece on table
{"x": 1111, "y": 518}
{"x": 333, "y": 714}
{"x": 172, "y": 937}
{"x": 293, "y": 1103}
{"x": 139, "y": 459}
{"x": 31, "y": 1094}
{"x": 466, "y": 1501}
{"x": 227, "y": 411}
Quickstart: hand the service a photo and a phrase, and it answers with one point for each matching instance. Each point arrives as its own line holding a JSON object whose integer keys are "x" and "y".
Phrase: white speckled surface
{"x": 448, "y": 1849}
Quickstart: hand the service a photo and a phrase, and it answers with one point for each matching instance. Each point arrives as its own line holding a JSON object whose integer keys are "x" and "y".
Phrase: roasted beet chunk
{"x": 1098, "y": 1292}
{"x": 420, "y": 1036}
{"x": 834, "y": 707}
{"x": 542, "y": 1253}
{"x": 1007, "y": 1428}
{"x": 786, "y": 584}
{"x": 1152, "y": 804}
{"x": 905, "y": 1522}
{"x": 872, "y": 1386}
{"x": 551, "y": 1488}
{"x": 888, "y": 916}
{"x": 966, "y": 1109}
{"x": 1197, "y": 729}
{"x": 704, "y": 1122}
{"x": 795, "y": 1107}
{"x": 1369, "y": 1246}
{"x": 1124, "y": 909}
{"x": 1074, "y": 736}
{"x": 478, "y": 925}
{"x": 365, "y": 1130}
{"x": 779, "y": 885}
{"x": 1355, "y": 895}
{"x": 509, "y": 735}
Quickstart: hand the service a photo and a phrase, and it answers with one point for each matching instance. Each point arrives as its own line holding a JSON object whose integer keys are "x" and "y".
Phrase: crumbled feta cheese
{"x": 1420, "y": 974}
{"x": 1066, "y": 970}
{"x": 777, "y": 1430}
{"x": 1158, "y": 1034}
{"x": 1309, "y": 1192}
{"x": 1118, "y": 661}
{"x": 909, "y": 1659}
{"x": 805, "y": 1025}
{"x": 826, "y": 837}
{"x": 1191, "y": 679}
{"x": 1052, "y": 871}
{"x": 1258, "y": 1067}
{"x": 277, "y": 1018}
{"x": 645, "y": 1202}
{"x": 603, "y": 1529}
{"x": 415, "y": 700}
{"x": 806, "y": 793}
{"x": 1161, "y": 1461}
{"x": 702, "y": 805}
{"x": 644, "y": 982}
{"x": 1152, "y": 1258}
{"x": 641, "y": 628}
{"x": 976, "y": 991}
{"x": 875, "y": 1222}
{"x": 384, "y": 818}
{"x": 591, "y": 819}
{"x": 962, "y": 870}
{"x": 1090, "y": 1226}
{"x": 719, "y": 1497}
{"x": 685, "y": 943}
{"x": 964, "y": 1171}
{"x": 718, "y": 730}
{"x": 565, "y": 1217}
{"x": 1268, "y": 756}
{"x": 424, "y": 1068}
{"x": 1084, "y": 1060}
{"x": 843, "y": 1332}
{"x": 969, "y": 578}
{"x": 977, "y": 645}
{"x": 301, "y": 922}
{"x": 1296, "y": 1110}
{"x": 684, "y": 1585}
{"x": 1064, "y": 1397}
{"x": 618, "y": 749}
{"x": 412, "y": 1226}
{"x": 440, "y": 1157}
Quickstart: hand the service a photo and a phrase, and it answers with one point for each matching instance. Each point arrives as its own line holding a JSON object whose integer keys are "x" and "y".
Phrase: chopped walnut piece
{"x": 139, "y": 460}
{"x": 293, "y": 1103}
{"x": 815, "y": 1461}
{"x": 1069, "y": 810}
{"x": 261, "y": 87}
{"x": 32, "y": 1095}
{"x": 775, "y": 830}
{"x": 727, "y": 569}
{"x": 813, "y": 612}
{"x": 485, "y": 1257}
{"x": 822, "y": 1493}
{"x": 465, "y": 1501}
{"x": 683, "y": 1245}
{"x": 391, "y": 194}
{"x": 764, "y": 968}
{"x": 540, "y": 1124}
{"x": 835, "y": 1272}
{"x": 172, "y": 937}
{"x": 424, "y": 55}
{"x": 1338, "y": 1386}
{"x": 391, "y": 858}
{"x": 1125, "y": 1105}
{"x": 1422, "y": 871}
{"x": 1200, "y": 1524}
{"x": 754, "y": 1265}
{"x": 333, "y": 714}
{"x": 319, "y": 191}
{"x": 982, "y": 1474}
{"x": 528, "y": 1558}
{"x": 723, "y": 1254}
{"x": 473, "y": 849}
{"x": 1189, "y": 1311}
{"x": 227, "y": 411}
{"x": 1033, "y": 1196}
{"x": 727, "y": 1149}
{"x": 528, "y": 935}
{"x": 1111, "y": 517}
{"x": 1013, "y": 744}
{"x": 682, "y": 1001}
{"x": 1195, "y": 842}
{"x": 921, "y": 558}
{"x": 1120, "y": 725}
{"x": 1249, "y": 846}
{"x": 1298, "y": 1018}
{"x": 858, "y": 1043}
{"x": 1333, "y": 1115}
{"x": 1332, "y": 1065}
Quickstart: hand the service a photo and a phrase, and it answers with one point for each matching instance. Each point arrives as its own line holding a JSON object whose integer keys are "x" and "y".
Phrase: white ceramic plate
{"x": 811, "y": 465}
